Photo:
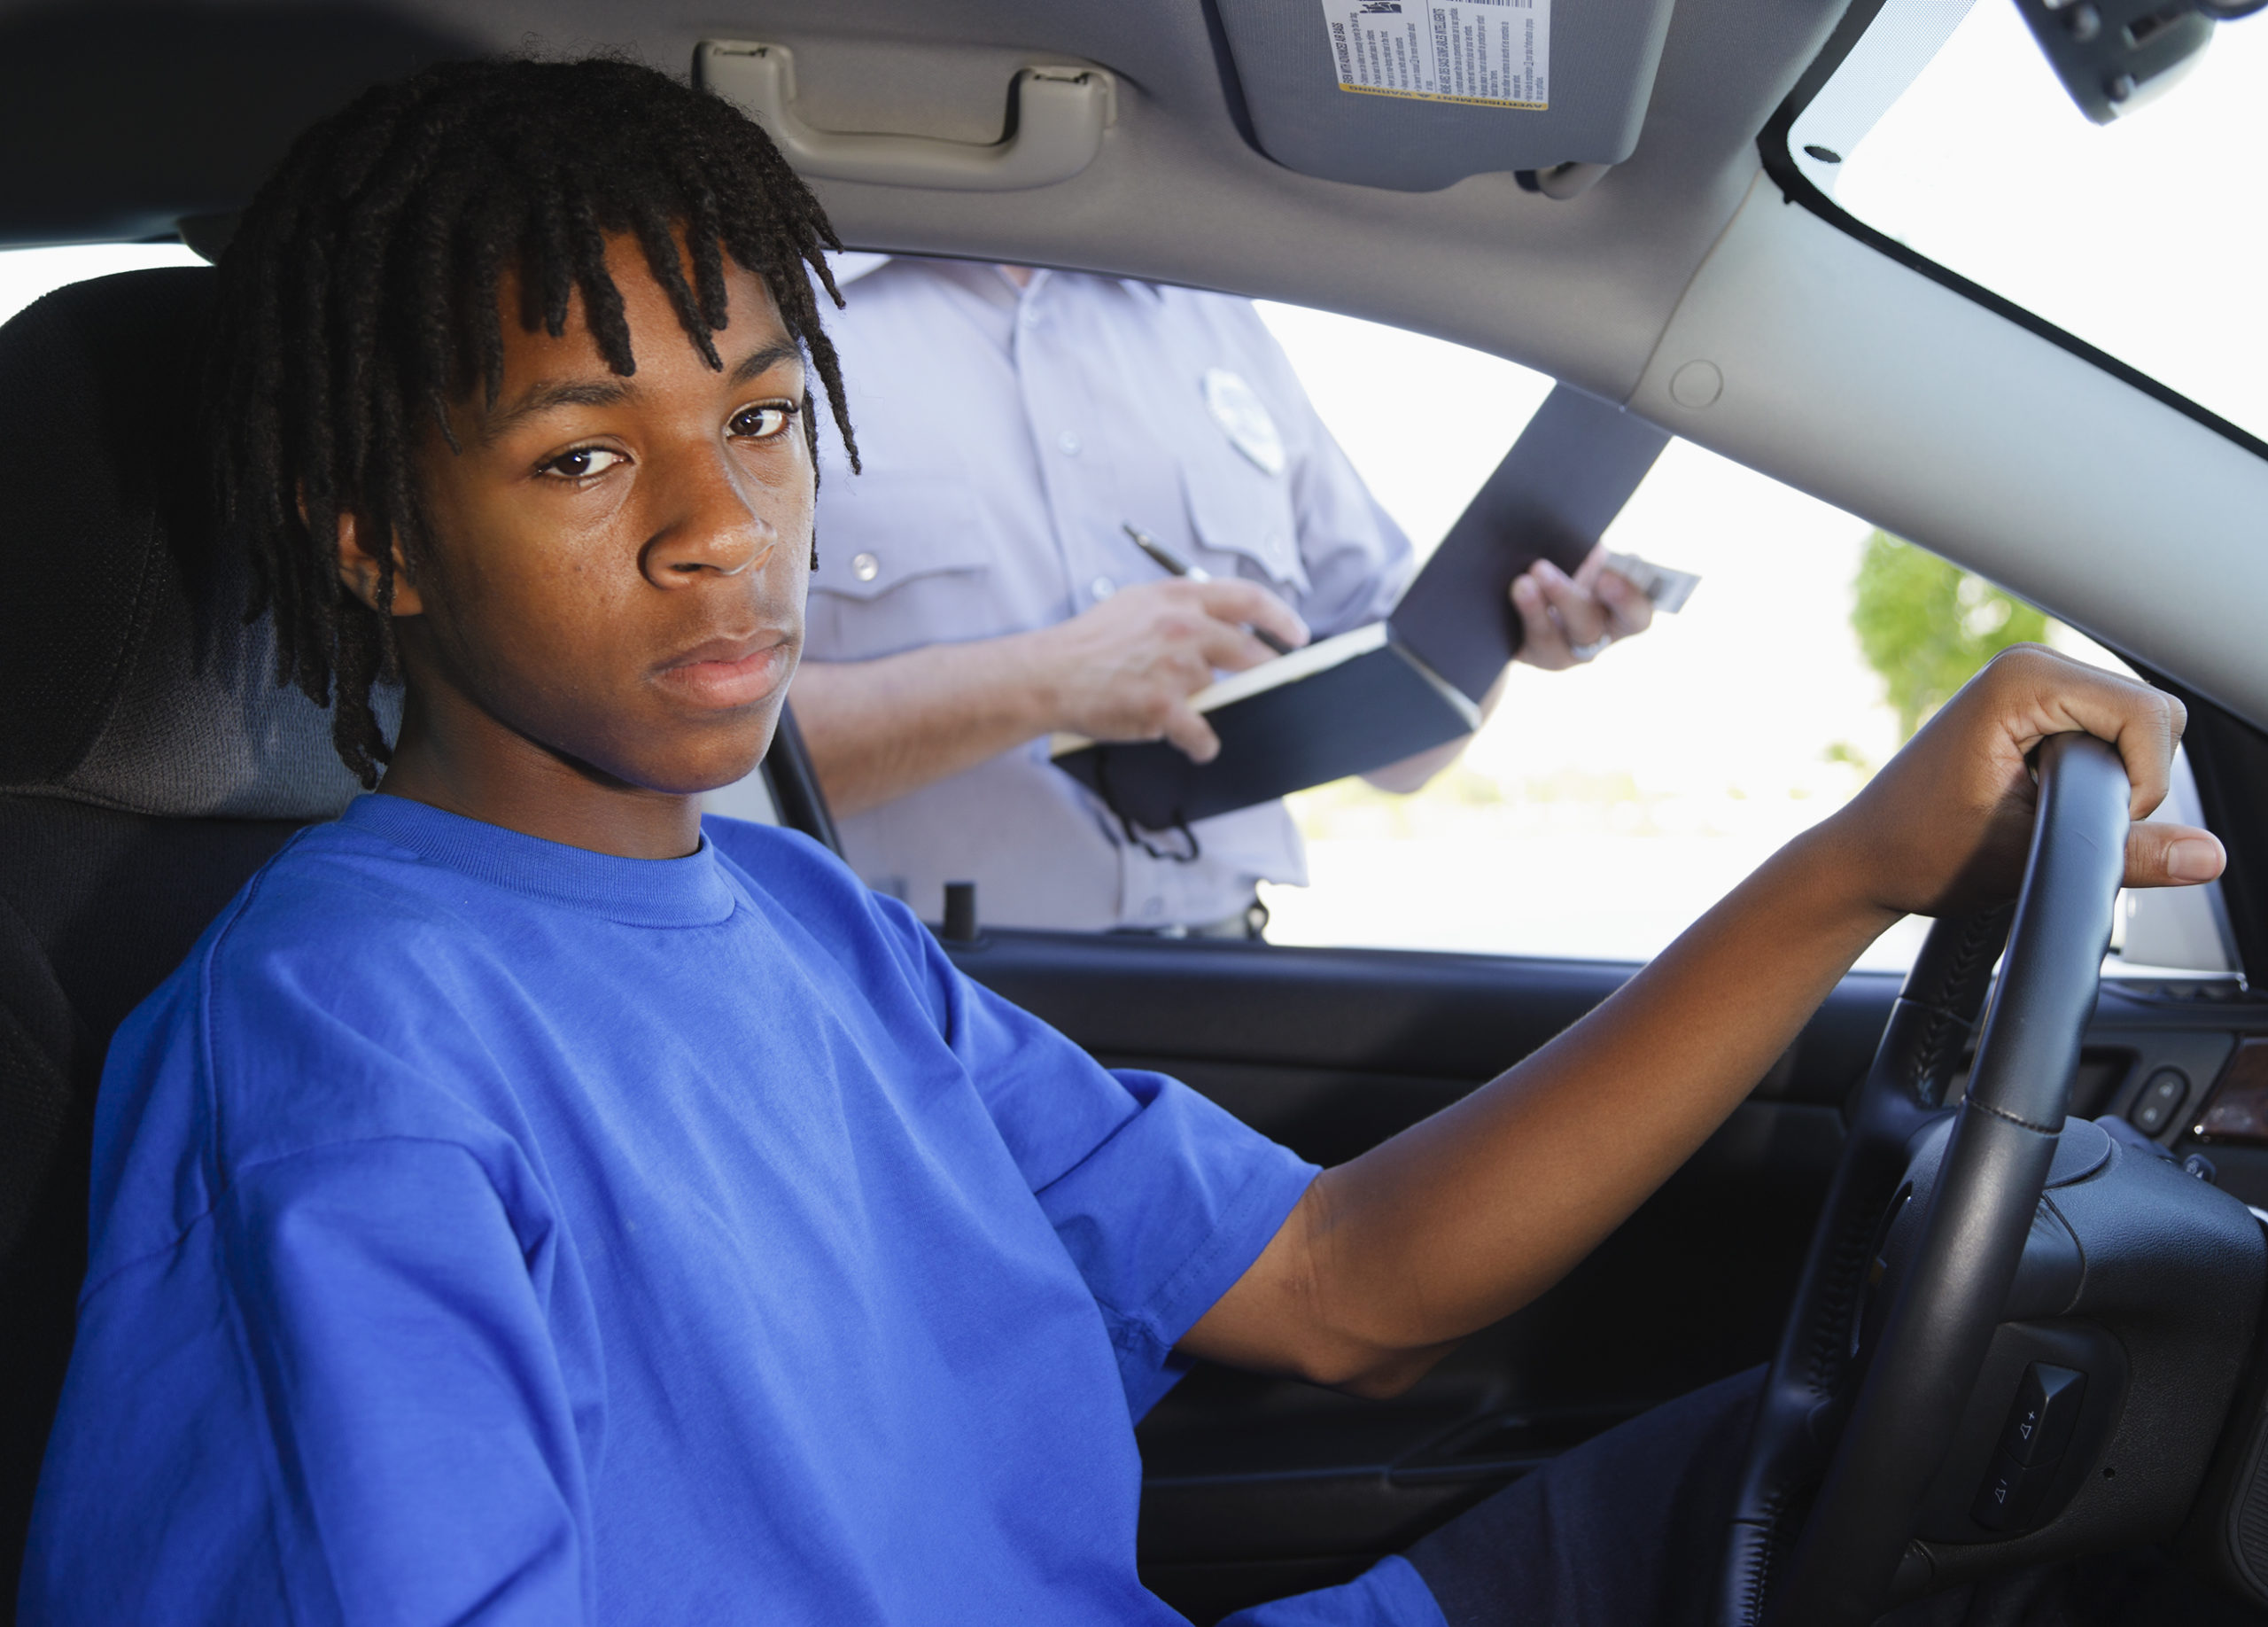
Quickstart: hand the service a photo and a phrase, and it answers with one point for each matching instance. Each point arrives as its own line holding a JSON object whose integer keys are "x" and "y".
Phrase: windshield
{"x": 2141, "y": 237}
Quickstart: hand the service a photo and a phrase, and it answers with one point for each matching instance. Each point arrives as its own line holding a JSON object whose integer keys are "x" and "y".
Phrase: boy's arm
{"x": 1391, "y": 1258}
{"x": 337, "y": 1393}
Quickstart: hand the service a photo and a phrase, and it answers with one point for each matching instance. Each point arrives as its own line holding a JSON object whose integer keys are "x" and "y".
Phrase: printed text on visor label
{"x": 1486, "y": 53}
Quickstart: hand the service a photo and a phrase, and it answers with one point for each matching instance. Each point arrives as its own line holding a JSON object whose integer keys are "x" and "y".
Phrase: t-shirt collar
{"x": 662, "y": 892}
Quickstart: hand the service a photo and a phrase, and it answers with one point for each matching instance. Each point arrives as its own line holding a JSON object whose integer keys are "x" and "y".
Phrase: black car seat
{"x": 149, "y": 764}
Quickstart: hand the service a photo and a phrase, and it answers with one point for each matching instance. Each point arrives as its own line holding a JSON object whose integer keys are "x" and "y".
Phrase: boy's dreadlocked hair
{"x": 362, "y": 292}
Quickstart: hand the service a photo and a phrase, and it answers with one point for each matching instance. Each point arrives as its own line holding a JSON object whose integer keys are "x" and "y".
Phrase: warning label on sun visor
{"x": 1485, "y": 53}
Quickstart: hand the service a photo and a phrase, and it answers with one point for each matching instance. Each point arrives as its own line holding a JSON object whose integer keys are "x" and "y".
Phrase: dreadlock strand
{"x": 651, "y": 227}
{"x": 704, "y": 233}
{"x": 432, "y": 292}
{"x": 483, "y": 236}
{"x": 603, "y": 313}
{"x": 556, "y": 249}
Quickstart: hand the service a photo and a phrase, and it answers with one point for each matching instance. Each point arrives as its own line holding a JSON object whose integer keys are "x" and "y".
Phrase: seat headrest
{"x": 133, "y": 680}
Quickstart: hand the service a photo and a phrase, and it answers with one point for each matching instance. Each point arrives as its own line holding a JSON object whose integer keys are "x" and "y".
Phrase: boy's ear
{"x": 358, "y": 569}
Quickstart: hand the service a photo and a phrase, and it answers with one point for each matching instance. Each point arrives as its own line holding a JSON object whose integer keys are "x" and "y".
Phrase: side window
{"x": 2175, "y": 933}
{"x": 1603, "y": 808}
{"x": 26, "y": 274}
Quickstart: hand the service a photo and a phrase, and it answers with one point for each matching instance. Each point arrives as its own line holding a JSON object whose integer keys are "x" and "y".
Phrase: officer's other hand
{"x": 1126, "y": 669}
{"x": 1562, "y": 617}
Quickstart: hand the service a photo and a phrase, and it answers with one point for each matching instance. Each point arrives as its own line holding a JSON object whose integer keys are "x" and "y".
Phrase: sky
{"x": 2142, "y": 237}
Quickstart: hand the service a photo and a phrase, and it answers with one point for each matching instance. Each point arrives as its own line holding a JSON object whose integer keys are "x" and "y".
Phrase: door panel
{"x": 1456, "y": 1020}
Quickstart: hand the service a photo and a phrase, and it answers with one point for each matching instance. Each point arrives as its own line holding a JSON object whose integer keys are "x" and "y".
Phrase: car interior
{"x": 1650, "y": 240}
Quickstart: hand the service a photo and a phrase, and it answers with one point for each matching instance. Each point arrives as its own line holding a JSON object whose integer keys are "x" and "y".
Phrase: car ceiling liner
{"x": 121, "y": 116}
{"x": 1415, "y": 95}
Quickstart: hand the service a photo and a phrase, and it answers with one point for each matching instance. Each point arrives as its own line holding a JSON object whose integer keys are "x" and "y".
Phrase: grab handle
{"x": 1060, "y": 115}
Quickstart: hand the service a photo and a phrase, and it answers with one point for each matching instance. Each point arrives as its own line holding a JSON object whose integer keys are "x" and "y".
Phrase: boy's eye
{"x": 763, "y": 422}
{"x": 582, "y": 462}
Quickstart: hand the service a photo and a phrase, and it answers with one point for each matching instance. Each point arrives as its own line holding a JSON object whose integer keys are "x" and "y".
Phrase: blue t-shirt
{"x": 486, "y": 1229}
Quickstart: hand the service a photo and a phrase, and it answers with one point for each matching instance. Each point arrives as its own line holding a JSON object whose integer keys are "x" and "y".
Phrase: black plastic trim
{"x": 795, "y": 784}
{"x": 2229, "y": 759}
{"x": 1796, "y": 187}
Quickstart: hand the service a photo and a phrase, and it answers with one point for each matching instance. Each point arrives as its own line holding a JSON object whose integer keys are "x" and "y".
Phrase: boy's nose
{"x": 712, "y": 531}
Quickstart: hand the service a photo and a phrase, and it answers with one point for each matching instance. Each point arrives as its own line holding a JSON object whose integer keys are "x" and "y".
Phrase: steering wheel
{"x": 1847, "y": 1439}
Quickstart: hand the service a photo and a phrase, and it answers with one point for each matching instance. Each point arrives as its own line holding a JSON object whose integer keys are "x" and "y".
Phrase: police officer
{"x": 976, "y": 592}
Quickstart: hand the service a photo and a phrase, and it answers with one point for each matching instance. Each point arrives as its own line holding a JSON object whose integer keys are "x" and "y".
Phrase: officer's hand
{"x": 1947, "y": 823}
{"x": 1562, "y": 617}
{"x": 1126, "y": 669}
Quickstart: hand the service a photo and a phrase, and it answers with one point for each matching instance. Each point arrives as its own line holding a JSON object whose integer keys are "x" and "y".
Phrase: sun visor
{"x": 1415, "y": 95}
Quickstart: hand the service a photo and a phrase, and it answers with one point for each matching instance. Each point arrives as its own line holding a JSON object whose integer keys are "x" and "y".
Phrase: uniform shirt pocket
{"x": 1243, "y": 521}
{"x": 902, "y": 563}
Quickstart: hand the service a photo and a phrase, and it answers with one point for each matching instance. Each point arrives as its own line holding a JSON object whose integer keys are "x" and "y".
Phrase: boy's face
{"x": 618, "y": 565}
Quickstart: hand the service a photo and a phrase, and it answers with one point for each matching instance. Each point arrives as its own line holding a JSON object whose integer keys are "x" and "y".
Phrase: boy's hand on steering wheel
{"x": 1947, "y": 824}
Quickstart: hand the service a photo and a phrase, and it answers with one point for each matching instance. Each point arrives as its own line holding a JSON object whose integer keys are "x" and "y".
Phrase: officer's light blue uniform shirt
{"x": 486, "y": 1230}
{"x": 1007, "y": 436}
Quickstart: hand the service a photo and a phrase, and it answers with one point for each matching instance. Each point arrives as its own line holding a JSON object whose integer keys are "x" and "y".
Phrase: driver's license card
{"x": 1668, "y": 589}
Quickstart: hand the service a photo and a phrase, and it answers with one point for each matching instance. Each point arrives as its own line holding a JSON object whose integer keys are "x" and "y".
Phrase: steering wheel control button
{"x": 2047, "y": 1407}
{"x": 2032, "y": 1447}
{"x": 2010, "y": 1498}
{"x": 2160, "y": 1100}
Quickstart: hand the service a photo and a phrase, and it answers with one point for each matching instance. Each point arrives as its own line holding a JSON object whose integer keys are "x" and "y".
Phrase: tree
{"x": 1927, "y": 626}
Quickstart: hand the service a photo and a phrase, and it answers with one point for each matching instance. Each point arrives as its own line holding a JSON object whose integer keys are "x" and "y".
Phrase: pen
{"x": 1173, "y": 564}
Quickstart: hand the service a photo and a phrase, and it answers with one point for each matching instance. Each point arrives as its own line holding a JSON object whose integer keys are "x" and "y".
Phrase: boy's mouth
{"x": 725, "y": 672}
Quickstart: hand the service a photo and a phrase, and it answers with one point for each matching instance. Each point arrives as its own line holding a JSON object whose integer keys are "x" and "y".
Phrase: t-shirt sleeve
{"x": 1161, "y": 1198}
{"x": 1164, "y": 1214}
{"x": 339, "y": 1386}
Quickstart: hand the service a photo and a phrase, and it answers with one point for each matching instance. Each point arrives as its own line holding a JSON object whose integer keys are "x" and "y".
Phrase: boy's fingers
{"x": 2172, "y": 856}
{"x": 2144, "y": 724}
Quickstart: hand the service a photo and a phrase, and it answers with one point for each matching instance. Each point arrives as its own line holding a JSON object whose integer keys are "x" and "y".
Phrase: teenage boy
{"x": 522, "y": 1206}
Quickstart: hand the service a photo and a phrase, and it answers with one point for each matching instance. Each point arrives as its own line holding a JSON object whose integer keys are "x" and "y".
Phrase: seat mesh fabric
{"x": 135, "y": 681}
